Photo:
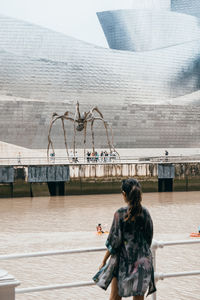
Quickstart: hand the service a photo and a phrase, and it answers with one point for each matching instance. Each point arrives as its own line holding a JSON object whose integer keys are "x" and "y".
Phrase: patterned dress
{"x": 131, "y": 259}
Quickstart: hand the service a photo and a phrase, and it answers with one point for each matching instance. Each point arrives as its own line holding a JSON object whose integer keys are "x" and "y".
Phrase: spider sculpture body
{"x": 80, "y": 122}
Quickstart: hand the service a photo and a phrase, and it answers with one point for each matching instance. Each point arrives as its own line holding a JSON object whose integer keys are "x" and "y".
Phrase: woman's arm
{"x": 106, "y": 256}
{"x": 148, "y": 228}
{"x": 113, "y": 241}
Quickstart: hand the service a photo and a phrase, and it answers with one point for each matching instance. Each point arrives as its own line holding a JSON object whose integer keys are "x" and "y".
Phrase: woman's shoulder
{"x": 121, "y": 211}
{"x": 145, "y": 211}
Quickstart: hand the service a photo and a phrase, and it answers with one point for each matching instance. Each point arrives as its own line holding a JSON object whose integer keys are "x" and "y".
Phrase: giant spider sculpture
{"x": 80, "y": 122}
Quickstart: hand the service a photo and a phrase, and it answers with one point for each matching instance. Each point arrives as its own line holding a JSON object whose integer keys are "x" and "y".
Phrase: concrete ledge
{"x": 103, "y": 178}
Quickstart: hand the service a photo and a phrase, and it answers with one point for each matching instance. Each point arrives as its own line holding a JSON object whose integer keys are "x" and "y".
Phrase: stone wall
{"x": 113, "y": 170}
{"x": 99, "y": 178}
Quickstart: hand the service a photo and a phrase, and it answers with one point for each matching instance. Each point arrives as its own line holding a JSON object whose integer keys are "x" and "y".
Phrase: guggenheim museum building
{"x": 146, "y": 84}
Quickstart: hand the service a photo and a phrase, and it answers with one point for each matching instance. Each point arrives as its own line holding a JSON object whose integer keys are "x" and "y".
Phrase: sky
{"x": 76, "y": 18}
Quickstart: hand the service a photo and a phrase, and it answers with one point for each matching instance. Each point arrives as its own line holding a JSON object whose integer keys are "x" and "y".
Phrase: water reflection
{"x": 48, "y": 223}
{"x": 165, "y": 197}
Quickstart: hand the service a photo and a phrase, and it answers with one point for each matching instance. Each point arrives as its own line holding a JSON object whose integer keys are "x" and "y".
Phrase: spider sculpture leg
{"x": 106, "y": 128}
{"x": 97, "y": 110}
{"x": 50, "y": 146}
{"x": 74, "y": 142}
{"x": 92, "y": 123}
{"x": 106, "y": 125}
{"x": 104, "y": 122}
{"x": 110, "y": 127}
{"x": 66, "y": 117}
{"x": 50, "y": 143}
{"x": 77, "y": 116}
{"x": 85, "y": 132}
{"x": 65, "y": 137}
{"x": 55, "y": 117}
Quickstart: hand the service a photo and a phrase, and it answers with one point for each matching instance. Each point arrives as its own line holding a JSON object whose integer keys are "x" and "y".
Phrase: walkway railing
{"x": 43, "y": 160}
{"x": 25, "y": 161}
{"x": 161, "y": 244}
{"x": 155, "y": 246}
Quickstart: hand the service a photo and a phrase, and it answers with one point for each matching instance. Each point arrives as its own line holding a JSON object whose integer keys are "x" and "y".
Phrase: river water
{"x": 55, "y": 223}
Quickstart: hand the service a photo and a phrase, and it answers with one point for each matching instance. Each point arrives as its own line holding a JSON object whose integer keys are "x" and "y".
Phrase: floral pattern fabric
{"x": 131, "y": 258}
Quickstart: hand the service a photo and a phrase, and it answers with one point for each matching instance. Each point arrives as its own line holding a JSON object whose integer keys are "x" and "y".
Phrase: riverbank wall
{"x": 95, "y": 178}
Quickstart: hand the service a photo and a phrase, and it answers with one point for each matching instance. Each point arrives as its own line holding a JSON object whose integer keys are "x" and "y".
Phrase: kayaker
{"x": 99, "y": 228}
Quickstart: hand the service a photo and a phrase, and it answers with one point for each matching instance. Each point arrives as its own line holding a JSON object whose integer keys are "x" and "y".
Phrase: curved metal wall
{"x": 139, "y": 93}
{"x": 151, "y": 4}
{"x": 190, "y": 7}
{"x": 143, "y": 30}
{"x": 60, "y": 70}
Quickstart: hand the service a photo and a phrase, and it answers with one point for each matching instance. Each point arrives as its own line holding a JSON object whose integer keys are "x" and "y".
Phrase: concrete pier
{"x": 45, "y": 180}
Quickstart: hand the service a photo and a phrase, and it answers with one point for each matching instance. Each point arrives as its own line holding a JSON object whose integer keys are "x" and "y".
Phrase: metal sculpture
{"x": 80, "y": 122}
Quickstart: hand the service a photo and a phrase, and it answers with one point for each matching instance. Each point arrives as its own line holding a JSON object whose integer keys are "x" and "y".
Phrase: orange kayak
{"x": 100, "y": 233}
{"x": 195, "y": 234}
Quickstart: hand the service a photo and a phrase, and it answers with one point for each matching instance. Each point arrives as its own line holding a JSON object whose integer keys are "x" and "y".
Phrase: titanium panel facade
{"x": 73, "y": 70}
{"x": 151, "y": 97}
{"x": 190, "y": 7}
{"x": 151, "y": 4}
{"x": 143, "y": 30}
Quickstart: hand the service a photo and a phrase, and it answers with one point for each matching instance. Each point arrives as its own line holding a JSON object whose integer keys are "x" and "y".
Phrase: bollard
{"x": 155, "y": 245}
{"x": 7, "y": 286}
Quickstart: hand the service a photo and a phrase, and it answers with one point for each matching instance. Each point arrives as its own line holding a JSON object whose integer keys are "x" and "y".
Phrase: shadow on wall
{"x": 189, "y": 76}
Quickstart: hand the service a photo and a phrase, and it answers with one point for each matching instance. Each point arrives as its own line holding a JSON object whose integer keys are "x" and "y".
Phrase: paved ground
{"x": 10, "y": 155}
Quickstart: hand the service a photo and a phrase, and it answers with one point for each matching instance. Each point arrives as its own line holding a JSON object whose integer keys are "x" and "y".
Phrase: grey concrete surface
{"x": 6, "y": 174}
{"x": 48, "y": 173}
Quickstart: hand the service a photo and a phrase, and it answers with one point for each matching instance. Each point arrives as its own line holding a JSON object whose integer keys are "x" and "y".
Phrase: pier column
{"x": 7, "y": 286}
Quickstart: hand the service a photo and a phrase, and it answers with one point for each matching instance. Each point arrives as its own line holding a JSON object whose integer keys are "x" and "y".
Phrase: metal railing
{"x": 43, "y": 160}
{"x": 161, "y": 244}
{"x": 155, "y": 246}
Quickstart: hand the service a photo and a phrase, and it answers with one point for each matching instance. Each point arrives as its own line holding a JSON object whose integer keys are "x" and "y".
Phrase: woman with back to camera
{"x": 130, "y": 267}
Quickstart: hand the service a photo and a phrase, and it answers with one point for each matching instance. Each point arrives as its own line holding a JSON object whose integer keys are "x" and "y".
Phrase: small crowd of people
{"x": 72, "y": 157}
{"x": 104, "y": 156}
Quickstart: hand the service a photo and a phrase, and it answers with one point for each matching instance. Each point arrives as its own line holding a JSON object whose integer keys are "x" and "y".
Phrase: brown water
{"x": 47, "y": 223}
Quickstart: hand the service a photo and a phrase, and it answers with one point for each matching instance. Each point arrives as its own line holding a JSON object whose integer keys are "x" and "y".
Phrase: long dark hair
{"x": 133, "y": 191}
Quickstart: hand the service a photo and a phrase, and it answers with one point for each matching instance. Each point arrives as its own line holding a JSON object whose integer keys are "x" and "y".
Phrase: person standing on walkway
{"x": 19, "y": 158}
{"x": 130, "y": 267}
